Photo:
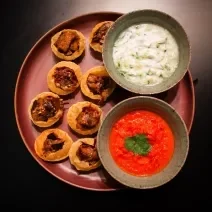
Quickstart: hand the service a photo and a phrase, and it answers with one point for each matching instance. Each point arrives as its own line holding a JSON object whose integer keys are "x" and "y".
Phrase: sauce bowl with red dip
{"x": 143, "y": 142}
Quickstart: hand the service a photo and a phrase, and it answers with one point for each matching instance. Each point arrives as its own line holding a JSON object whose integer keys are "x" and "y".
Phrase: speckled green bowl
{"x": 170, "y": 116}
{"x": 144, "y": 16}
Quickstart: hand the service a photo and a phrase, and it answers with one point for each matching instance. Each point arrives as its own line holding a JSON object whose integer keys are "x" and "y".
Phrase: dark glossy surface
{"x": 32, "y": 81}
{"x": 27, "y": 185}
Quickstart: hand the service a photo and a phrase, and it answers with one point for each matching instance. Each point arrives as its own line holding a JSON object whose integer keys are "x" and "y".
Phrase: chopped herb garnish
{"x": 167, "y": 67}
{"x": 149, "y": 72}
{"x": 138, "y": 144}
{"x": 136, "y": 55}
{"x": 122, "y": 73}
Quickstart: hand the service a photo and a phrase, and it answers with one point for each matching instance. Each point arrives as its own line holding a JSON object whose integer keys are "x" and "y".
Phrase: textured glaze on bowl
{"x": 155, "y": 17}
{"x": 170, "y": 116}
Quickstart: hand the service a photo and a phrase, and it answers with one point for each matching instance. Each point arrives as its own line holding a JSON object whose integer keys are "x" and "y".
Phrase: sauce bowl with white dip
{"x": 146, "y": 52}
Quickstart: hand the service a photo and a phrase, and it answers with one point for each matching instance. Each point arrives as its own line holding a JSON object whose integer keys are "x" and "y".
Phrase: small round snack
{"x": 97, "y": 35}
{"x": 68, "y": 44}
{"x": 84, "y": 117}
{"x": 46, "y": 109}
{"x": 83, "y": 154}
{"x": 97, "y": 84}
{"x": 64, "y": 78}
{"x": 53, "y": 145}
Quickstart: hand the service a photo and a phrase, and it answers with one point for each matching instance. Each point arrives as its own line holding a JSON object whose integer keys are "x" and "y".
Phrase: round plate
{"x": 32, "y": 80}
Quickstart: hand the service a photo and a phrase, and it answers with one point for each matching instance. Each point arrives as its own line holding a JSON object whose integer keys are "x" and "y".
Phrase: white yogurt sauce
{"x": 146, "y": 54}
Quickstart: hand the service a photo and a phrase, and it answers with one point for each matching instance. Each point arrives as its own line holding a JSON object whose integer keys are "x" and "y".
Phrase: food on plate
{"x": 64, "y": 77}
{"x": 83, "y": 154}
{"x": 97, "y": 35}
{"x": 84, "y": 117}
{"x": 45, "y": 109}
{"x": 146, "y": 54}
{"x": 97, "y": 84}
{"x": 68, "y": 44}
{"x": 53, "y": 145}
{"x": 141, "y": 143}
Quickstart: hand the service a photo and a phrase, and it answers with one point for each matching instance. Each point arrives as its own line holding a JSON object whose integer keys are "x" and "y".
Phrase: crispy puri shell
{"x": 75, "y": 110}
{"x": 94, "y": 45}
{"x": 99, "y": 71}
{"x": 74, "y": 159}
{"x": 76, "y": 54}
{"x": 51, "y": 120}
{"x": 54, "y": 156}
{"x": 50, "y": 78}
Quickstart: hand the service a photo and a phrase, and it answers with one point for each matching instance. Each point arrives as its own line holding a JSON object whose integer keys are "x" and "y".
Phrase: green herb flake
{"x": 138, "y": 144}
{"x": 137, "y": 55}
{"x": 149, "y": 72}
{"x": 167, "y": 67}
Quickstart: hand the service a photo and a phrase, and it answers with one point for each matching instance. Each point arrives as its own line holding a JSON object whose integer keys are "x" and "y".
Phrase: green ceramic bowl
{"x": 155, "y": 17}
{"x": 170, "y": 116}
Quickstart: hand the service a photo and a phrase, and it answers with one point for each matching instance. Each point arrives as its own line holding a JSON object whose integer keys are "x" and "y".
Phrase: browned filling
{"x": 97, "y": 84}
{"x": 88, "y": 118}
{"x": 67, "y": 43}
{"x": 88, "y": 153}
{"x": 65, "y": 78}
{"x": 52, "y": 143}
{"x": 45, "y": 108}
{"x": 99, "y": 35}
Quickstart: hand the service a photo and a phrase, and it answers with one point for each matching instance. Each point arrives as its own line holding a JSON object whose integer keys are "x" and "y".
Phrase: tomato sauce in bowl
{"x": 141, "y": 143}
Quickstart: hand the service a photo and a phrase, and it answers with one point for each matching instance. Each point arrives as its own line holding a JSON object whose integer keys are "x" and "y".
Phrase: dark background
{"x": 28, "y": 185}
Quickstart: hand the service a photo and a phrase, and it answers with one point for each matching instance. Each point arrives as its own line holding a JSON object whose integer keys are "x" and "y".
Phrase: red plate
{"x": 32, "y": 80}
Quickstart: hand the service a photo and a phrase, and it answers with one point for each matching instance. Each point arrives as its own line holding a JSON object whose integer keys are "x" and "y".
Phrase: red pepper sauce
{"x": 159, "y": 136}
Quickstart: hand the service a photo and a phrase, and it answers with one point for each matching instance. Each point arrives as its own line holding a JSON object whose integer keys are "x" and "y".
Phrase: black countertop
{"x": 28, "y": 184}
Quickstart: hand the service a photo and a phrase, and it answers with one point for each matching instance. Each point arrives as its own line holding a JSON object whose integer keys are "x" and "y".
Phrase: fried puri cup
{"x": 97, "y": 84}
{"x": 84, "y": 117}
{"x": 64, "y": 78}
{"x": 97, "y": 36}
{"x": 53, "y": 145}
{"x": 83, "y": 154}
{"x": 68, "y": 44}
{"x": 45, "y": 109}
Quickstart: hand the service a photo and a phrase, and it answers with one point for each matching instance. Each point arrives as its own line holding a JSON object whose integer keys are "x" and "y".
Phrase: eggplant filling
{"x": 88, "y": 153}
{"x": 52, "y": 143}
{"x": 88, "y": 118}
{"x": 45, "y": 108}
{"x": 98, "y": 84}
{"x": 65, "y": 78}
{"x": 99, "y": 35}
{"x": 67, "y": 43}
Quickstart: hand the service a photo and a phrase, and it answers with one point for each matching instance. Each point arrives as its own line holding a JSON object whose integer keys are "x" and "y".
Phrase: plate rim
{"x": 35, "y": 45}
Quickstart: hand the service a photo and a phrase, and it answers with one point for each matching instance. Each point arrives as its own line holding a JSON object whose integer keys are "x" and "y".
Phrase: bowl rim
{"x": 179, "y": 168}
{"x": 158, "y": 90}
